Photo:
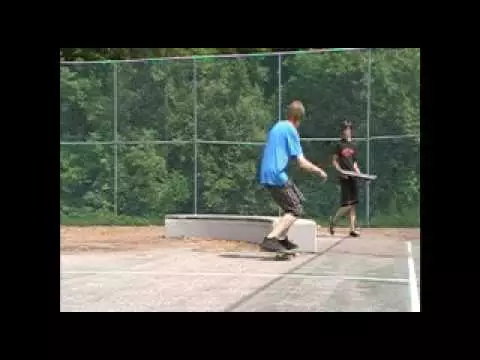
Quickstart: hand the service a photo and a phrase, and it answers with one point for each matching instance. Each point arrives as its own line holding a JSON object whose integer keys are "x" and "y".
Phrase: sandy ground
{"x": 142, "y": 238}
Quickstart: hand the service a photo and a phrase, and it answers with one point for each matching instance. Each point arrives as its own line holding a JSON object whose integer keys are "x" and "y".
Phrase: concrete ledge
{"x": 241, "y": 228}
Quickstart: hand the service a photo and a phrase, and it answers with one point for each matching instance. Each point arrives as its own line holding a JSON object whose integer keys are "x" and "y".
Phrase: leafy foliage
{"x": 232, "y": 100}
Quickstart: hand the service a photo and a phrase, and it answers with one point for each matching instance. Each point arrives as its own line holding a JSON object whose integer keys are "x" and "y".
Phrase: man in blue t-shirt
{"x": 283, "y": 144}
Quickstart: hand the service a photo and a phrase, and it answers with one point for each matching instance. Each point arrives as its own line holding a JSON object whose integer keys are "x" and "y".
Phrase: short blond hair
{"x": 296, "y": 110}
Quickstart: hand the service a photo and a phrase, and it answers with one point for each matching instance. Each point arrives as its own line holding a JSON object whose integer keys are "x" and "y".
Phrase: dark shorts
{"x": 288, "y": 197}
{"x": 349, "y": 191}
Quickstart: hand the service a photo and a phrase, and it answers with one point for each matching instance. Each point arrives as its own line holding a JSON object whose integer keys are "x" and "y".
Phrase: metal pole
{"x": 279, "y": 116}
{"x": 279, "y": 87}
{"x": 195, "y": 138}
{"x": 115, "y": 137}
{"x": 227, "y": 142}
{"x": 369, "y": 100}
{"x": 217, "y": 56}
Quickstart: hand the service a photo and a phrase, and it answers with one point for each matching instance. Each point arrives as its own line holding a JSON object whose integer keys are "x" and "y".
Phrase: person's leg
{"x": 289, "y": 200}
{"x": 295, "y": 207}
{"x": 344, "y": 210}
{"x": 284, "y": 235}
{"x": 353, "y": 199}
{"x": 282, "y": 227}
{"x": 353, "y": 218}
{"x": 345, "y": 205}
{"x": 285, "y": 241}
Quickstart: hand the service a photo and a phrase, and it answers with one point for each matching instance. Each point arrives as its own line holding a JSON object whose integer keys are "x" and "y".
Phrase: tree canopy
{"x": 233, "y": 100}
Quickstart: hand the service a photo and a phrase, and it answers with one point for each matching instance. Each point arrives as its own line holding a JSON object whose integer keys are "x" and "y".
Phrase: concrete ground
{"x": 355, "y": 275}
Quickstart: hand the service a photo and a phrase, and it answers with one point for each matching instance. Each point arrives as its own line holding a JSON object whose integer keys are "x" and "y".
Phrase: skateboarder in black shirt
{"x": 345, "y": 157}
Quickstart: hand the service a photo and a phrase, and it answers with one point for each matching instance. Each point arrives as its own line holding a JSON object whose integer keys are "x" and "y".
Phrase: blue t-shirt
{"x": 283, "y": 144}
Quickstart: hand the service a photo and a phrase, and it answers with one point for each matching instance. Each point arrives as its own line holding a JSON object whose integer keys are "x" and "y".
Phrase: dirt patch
{"x": 123, "y": 238}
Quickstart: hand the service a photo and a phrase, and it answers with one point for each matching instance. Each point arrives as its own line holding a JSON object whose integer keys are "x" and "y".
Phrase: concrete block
{"x": 235, "y": 227}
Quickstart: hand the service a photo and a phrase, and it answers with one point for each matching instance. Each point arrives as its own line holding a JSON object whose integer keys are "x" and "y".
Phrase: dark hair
{"x": 346, "y": 124}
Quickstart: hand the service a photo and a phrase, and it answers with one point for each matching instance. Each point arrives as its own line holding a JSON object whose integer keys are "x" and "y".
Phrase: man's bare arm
{"x": 308, "y": 166}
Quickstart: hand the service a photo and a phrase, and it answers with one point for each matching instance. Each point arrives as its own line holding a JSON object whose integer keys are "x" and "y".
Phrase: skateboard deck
{"x": 360, "y": 175}
{"x": 280, "y": 255}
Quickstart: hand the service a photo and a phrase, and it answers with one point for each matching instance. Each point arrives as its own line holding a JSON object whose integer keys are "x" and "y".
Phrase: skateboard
{"x": 288, "y": 254}
{"x": 278, "y": 256}
{"x": 285, "y": 255}
{"x": 359, "y": 175}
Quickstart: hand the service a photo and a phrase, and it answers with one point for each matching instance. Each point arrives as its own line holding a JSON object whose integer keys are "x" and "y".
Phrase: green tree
{"x": 235, "y": 100}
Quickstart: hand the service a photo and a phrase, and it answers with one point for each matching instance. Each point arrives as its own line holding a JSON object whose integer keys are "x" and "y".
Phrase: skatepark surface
{"x": 138, "y": 269}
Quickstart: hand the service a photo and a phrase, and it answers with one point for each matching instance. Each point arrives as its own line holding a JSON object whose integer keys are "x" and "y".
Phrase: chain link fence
{"x": 143, "y": 138}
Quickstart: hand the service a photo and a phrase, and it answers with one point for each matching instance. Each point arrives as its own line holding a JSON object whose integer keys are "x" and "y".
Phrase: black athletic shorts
{"x": 288, "y": 197}
{"x": 349, "y": 191}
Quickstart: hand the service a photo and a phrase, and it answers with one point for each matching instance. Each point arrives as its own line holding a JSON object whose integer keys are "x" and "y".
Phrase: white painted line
{"x": 412, "y": 279}
{"x": 264, "y": 275}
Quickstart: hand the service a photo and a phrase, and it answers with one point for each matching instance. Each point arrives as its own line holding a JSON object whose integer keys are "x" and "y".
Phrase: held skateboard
{"x": 359, "y": 175}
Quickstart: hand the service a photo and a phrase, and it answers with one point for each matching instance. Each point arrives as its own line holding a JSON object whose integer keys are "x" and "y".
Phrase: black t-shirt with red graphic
{"x": 347, "y": 154}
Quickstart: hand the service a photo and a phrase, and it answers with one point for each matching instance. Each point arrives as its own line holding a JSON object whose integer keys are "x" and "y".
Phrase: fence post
{"x": 115, "y": 139}
{"x": 195, "y": 138}
{"x": 369, "y": 100}
{"x": 279, "y": 87}
{"x": 279, "y": 110}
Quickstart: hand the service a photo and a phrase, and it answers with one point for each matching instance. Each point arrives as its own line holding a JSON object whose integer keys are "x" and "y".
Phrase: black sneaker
{"x": 287, "y": 244}
{"x": 331, "y": 227}
{"x": 354, "y": 233}
{"x": 272, "y": 245}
